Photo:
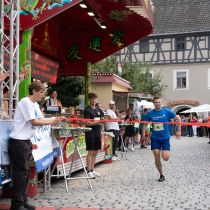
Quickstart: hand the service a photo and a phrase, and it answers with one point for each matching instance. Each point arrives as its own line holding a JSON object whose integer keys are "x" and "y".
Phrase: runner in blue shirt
{"x": 160, "y": 136}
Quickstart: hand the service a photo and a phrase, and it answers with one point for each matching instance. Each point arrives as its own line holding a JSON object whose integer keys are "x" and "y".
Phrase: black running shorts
{"x": 93, "y": 143}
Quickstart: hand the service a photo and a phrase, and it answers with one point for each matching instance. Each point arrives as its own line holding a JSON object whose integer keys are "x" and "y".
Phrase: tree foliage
{"x": 139, "y": 75}
{"x": 68, "y": 88}
{"x": 107, "y": 65}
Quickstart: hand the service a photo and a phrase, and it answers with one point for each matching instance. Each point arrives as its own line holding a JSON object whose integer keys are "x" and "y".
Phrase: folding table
{"x": 75, "y": 133}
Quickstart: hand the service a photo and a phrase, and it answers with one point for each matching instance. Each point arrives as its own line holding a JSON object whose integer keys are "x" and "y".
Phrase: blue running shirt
{"x": 160, "y": 130}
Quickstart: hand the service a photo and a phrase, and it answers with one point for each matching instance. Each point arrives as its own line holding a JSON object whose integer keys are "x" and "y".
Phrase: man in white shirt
{"x": 112, "y": 127}
{"x": 27, "y": 115}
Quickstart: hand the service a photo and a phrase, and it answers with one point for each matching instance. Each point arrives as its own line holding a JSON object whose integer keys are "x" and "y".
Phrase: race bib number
{"x": 158, "y": 127}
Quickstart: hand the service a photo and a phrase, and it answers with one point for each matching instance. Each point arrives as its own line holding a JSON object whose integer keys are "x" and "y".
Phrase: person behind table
{"x": 98, "y": 105}
{"x": 27, "y": 116}
{"x": 93, "y": 137}
{"x": 160, "y": 136}
{"x": 53, "y": 100}
{"x": 113, "y": 127}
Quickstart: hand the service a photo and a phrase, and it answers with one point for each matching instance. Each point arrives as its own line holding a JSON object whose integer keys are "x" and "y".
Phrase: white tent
{"x": 146, "y": 104}
{"x": 139, "y": 106}
{"x": 198, "y": 109}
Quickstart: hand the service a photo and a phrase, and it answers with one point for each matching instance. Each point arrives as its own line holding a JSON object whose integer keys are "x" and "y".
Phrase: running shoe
{"x": 91, "y": 175}
{"x": 161, "y": 179}
{"x": 114, "y": 158}
{"x": 96, "y": 174}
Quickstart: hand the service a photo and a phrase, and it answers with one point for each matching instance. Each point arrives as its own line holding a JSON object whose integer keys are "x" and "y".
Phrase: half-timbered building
{"x": 179, "y": 48}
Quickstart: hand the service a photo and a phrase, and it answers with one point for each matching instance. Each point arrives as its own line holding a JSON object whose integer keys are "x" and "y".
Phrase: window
{"x": 180, "y": 43}
{"x": 181, "y": 79}
{"x": 144, "y": 46}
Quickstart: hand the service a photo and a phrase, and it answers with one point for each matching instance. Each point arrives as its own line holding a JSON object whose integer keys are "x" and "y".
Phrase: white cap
{"x": 111, "y": 102}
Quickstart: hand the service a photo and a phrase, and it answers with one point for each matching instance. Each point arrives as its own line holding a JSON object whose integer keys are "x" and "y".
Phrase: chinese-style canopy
{"x": 64, "y": 32}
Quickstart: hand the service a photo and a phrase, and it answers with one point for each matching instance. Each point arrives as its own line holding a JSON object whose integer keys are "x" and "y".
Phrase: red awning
{"x": 66, "y": 33}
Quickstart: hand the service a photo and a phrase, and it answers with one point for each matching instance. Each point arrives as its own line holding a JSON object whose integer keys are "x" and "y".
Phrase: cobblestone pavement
{"x": 132, "y": 183}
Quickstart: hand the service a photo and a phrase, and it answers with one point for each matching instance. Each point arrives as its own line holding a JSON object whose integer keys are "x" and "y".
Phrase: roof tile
{"x": 181, "y": 16}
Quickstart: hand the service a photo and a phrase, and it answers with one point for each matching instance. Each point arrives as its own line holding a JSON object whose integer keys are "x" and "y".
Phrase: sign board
{"x": 4, "y": 137}
{"x": 47, "y": 147}
{"x": 4, "y": 157}
{"x": 43, "y": 68}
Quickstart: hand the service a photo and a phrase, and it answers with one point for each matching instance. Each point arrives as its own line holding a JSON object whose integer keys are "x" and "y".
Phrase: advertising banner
{"x": 4, "y": 137}
{"x": 107, "y": 145}
{"x": 4, "y": 157}
{"x": 47, "y": 147}
{"x": 69, "y": 148}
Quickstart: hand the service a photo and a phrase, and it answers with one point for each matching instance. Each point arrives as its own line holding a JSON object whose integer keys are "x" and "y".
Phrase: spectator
{"x": 143, "y": 141}
{"x": 200, "y": 128}
{"x": 112, "y": 127}
{"x": 189, "y": 128}
{"x": 121, "y": 141}
{"x": 129, "y": 130}
{"x": 98, "y": 105}
{"x": 136, "y": 129}
{"x": 194, "y": 127}
{"x": 184, "y": 127}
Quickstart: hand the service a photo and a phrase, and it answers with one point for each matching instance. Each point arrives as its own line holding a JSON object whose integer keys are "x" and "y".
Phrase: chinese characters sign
{"x": 95, "y": 44}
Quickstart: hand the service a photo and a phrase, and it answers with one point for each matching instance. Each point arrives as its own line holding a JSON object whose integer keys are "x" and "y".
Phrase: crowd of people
{"x": 193, "y": 130}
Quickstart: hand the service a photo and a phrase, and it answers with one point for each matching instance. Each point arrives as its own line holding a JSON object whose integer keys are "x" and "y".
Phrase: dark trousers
{"x": 20, "y": 156}
{"x": 208, "y": 133}
{"x": 189, "y": 131}
{"x": 114, "y": 140}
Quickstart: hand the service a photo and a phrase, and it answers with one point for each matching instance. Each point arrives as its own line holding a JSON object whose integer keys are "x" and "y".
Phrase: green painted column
{"x": 25, "y": 63}
{"x": 87, "y": 83}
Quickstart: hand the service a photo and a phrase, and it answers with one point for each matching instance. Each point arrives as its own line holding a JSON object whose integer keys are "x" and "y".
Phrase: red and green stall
{"x": 64, "y": 37}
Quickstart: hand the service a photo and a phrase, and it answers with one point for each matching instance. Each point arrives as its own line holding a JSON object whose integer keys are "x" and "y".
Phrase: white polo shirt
{"x": 111, "y": 125}
{"x": 26, "y": 111}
